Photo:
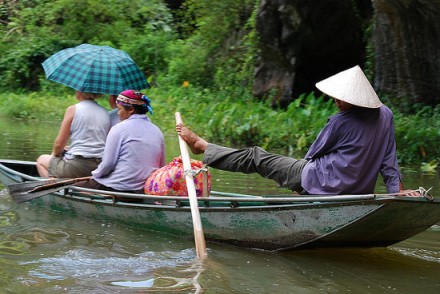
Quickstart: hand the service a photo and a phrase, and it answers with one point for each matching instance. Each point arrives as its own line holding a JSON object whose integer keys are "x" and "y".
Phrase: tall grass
{"x": 35, "y": 105}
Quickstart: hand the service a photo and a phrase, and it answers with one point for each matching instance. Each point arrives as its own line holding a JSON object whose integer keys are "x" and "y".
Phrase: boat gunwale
{"x": 274, "y": 200}
{"x": 233, "y": 206}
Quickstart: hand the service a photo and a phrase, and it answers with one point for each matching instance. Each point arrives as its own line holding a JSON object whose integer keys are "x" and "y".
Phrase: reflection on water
{"x": 43, "y": 251}
{"x": 25, "y": 140}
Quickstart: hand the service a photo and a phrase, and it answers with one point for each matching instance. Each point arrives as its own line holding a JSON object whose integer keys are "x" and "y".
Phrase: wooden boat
{"x": 270, "y": 223}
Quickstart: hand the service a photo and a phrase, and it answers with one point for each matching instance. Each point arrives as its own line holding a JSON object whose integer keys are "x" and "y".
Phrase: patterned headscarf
{"x": 134, "y": 98}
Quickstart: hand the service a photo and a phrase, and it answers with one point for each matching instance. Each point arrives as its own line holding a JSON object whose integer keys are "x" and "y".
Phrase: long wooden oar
{"x": 192, "y": 195}
{"x": 22, "y": 192}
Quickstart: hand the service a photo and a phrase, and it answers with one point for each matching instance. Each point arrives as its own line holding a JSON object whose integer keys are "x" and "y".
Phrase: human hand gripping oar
{"x": 197, "y": 223}
{"x": 22, "y": 192}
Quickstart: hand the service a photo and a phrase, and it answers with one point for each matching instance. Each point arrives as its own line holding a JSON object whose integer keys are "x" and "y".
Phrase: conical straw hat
{"x": 351, "y": 86}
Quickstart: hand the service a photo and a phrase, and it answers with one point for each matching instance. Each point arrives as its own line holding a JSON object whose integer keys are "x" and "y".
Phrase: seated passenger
{"x": 86, "y": 124}
{"x": 351, "y": 150}
{"x": 114, "y": 118}
{"x": 133, "y": 150}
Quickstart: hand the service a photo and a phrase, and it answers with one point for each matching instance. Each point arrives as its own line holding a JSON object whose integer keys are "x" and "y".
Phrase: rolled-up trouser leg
{"x": 284, "y": 170}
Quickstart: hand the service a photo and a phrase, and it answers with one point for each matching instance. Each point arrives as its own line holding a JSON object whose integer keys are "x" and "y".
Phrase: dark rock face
{"x": 407, "y": 45}
{"x": 303, "y": 42}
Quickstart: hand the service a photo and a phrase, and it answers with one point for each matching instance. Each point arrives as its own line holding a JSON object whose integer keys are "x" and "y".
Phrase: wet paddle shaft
{"x": 197, "y": 223}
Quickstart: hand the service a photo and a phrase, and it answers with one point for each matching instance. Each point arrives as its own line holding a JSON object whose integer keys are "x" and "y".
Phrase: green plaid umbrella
{"x": 95, "y": 69}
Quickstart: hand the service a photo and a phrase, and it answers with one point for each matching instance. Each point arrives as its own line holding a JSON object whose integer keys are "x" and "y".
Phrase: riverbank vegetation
{"x": 199, "y": 60}
{"x": 237, "y": 120}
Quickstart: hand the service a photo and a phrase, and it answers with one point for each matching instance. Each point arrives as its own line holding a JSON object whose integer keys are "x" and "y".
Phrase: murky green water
{"x": 43, "y": 251}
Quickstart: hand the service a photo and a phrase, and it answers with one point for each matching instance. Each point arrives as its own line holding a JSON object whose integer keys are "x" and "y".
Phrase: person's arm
{"x": 390, "y": 168}
{"x": 64, "y": 132}
{"x": 325, "y": 142}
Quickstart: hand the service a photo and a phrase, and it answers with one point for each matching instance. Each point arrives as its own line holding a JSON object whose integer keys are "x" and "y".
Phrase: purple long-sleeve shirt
{"x": 133, "y": 150}
{"x": 349, "y": 153}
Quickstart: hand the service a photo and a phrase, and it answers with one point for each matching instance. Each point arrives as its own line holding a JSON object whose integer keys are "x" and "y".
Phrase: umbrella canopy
{"x": 95, "y": 69}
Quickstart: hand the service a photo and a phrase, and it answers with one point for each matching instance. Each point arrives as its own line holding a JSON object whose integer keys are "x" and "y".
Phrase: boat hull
{"x": 277, "y": 225}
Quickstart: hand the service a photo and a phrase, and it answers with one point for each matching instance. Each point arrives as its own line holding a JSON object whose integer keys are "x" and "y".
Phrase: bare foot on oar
{"x": 195, "y": 143}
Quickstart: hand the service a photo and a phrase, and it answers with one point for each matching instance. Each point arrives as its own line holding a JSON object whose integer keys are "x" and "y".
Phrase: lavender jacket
{"x": 349, "y": 153}
{"x": 133, "y": 150}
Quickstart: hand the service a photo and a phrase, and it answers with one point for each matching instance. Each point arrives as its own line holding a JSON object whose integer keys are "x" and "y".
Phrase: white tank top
{"x": 88, "y": 131}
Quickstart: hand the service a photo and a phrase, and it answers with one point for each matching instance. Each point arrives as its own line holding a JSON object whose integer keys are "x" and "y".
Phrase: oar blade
{"x": 28, "y": 196}
{"x": 23, "y": 187}
{"x": 26, "y": 191}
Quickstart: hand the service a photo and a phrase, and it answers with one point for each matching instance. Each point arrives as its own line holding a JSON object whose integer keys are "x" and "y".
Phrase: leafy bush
{"x": 20, "y": 68}
{"x": 220, "y": 47}
{"x": 34, "y": 30}
{"x": 418, "y": 136}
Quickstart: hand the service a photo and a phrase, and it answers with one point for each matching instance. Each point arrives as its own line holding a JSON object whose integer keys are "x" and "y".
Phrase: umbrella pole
{"x": 197, "y": 223}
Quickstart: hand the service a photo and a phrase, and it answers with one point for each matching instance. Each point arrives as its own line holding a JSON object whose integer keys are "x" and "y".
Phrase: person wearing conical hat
{"x": 350, "y": 151}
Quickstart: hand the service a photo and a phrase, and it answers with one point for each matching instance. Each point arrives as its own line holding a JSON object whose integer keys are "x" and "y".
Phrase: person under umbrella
{"x": 113, "y": 112}
{"x": 91, "y": 71}
{"x": 134, "y": 148}
{"x": 86, "y": 124}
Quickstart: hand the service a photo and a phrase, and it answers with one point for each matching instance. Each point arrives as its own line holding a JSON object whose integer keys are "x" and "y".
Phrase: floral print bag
{"x": 169, "y": 180}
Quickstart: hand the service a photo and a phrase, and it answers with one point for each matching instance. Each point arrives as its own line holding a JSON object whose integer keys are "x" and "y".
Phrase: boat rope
{"x": 195, "y": 172}
{"x": 425, "y": 193}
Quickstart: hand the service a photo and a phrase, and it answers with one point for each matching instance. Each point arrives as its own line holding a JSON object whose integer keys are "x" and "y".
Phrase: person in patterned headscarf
{"x": 133, "y": 150}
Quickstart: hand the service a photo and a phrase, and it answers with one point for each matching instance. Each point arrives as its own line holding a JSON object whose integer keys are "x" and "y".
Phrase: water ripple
{"x": 80, "y": 263}
{"x": 428, "y": 255}
{"x": 147, "y": 270}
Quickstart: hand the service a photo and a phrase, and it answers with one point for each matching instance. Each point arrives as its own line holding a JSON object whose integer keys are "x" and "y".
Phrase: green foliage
{"x": 184, "y": 65}
{"x": 37, "y": 29}
{"x": 219, "y": 48}
{"x": 429, "y": 167}
{"x": 233, "y": 118}
{"x": 418, "y": 135}
{"x": 218, "y": 53}
{"x": 21, "y": 68}
{"x": 213, "y": 47}
{"x": 35, "y": 105}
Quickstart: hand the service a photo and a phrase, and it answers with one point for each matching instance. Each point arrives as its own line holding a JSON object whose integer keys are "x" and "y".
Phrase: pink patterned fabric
{"x": 170, "y": 179}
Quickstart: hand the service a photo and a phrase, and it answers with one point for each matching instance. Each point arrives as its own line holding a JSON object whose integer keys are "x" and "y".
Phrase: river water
{"x": 43, "y": 251}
